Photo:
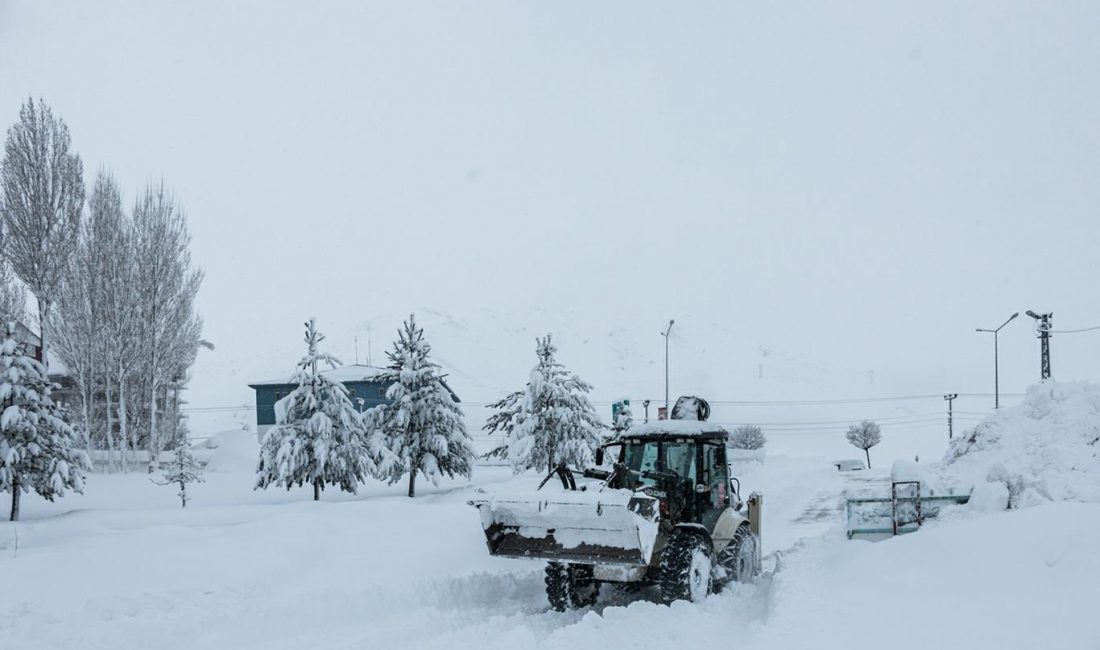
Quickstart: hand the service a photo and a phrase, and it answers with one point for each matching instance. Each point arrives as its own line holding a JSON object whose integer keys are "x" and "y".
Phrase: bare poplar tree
{"x": 167, "y": 286}
{"x": 13, "y": 295}
{"x": 41, "y": 197}
{"x": 82, "y": 320}
{"x": 73, "y": 323}
{"x": 112, "y": 234}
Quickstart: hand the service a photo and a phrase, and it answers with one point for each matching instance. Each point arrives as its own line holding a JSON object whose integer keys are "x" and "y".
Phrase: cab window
{"x": 717, "y": 474}
{"x": 680, "y": 458}
{"x": 667, "y": 457}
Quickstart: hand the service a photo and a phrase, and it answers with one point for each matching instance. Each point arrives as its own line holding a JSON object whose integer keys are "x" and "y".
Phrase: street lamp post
{"x": 996, "y": 369}
{"x": 665, "y": 334}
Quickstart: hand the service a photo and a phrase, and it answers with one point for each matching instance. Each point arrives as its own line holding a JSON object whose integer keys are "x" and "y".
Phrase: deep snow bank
{"x": 1045, "y": 449}
{"x": 1021, "y": 579}
{"x": 229, "y": 451}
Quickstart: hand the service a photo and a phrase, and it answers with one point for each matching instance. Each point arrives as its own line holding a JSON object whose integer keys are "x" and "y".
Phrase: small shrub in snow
{"x": 748, "y": 436}
{"x": 551, "y": 421}
{"x": 319, "y": 437}
{"x": 182, "y": 471}
{"x": 424, "y": 429}
{"x": 863, "y": 436}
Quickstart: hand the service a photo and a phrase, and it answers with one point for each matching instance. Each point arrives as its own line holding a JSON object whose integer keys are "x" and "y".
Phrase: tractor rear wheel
{"x": 686, "y": 568}
{"x": 569, "y": 586}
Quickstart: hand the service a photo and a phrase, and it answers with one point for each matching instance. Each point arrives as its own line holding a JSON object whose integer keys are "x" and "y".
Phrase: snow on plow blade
{"x": 608, "y": 527}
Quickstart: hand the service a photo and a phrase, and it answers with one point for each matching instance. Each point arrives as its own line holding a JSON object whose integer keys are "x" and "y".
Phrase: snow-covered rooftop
{"x": 351, "y": 372}
{"x": 674, "y": 428}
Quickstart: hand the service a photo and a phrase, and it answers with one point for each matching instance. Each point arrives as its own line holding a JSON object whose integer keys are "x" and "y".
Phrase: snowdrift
{"x": 1045, "y": 449}
{"x": 229, "y": 451}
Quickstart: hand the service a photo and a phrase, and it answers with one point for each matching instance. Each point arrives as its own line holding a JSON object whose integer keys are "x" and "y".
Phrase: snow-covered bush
{"x": 319, "y": 437}
{"x": 424, "y": 429}
{"x": 1045, "y": 449}
{"x": 748, "y": 436}
{"x": 863, "y": 436}
{"x": 548, "y": 423}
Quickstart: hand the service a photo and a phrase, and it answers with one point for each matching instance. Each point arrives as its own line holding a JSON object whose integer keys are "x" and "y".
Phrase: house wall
{"x": 372, "y": 394}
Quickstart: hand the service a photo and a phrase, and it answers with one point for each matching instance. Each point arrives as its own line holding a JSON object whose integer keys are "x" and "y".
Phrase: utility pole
{"x": 1043, "y": 326}
{"x": 645, "y": 403}
{"x": 665, "y": 334}
{"x": 996, "y": 363}
{"x": 356, "y": 349}
{"x": 370, "y": 326}
{"x": 950, "y": 402}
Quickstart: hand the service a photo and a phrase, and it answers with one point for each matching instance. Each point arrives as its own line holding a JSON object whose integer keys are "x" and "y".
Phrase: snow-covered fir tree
{"x": 623, "y": 417}
{"x": 424, "y": 428}
{"x": 319, "y": 437}
{"x": 548, "y": 423}
{"x": 38, "y": 450}
{"x": 182, "y": 471}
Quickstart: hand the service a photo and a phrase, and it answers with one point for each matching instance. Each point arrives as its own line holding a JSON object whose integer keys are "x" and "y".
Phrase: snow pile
{"x": 1021, "y": 579}
{"x": 1045, "y": 449}
{"x": 905, "y": 470}
{"x": 230, "y": 451}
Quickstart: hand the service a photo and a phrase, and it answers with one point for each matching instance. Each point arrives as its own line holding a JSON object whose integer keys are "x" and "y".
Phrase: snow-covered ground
{"x": 124, "y": 567}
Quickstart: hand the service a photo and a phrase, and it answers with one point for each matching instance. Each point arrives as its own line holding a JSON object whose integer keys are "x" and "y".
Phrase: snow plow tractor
{"x": 663, "y": 512}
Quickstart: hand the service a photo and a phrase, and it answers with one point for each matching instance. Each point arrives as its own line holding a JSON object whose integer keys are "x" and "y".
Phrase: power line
{"x": 910, "y": 416}
{"x": 859, "y": 400}
{"x": 1084, "y": 329}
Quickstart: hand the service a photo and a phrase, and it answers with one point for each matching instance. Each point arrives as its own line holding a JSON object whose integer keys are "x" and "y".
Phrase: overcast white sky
{"x": 863, "y": 183}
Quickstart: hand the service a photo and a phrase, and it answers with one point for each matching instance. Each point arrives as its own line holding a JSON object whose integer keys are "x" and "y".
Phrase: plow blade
{"x": 610, "y": 527}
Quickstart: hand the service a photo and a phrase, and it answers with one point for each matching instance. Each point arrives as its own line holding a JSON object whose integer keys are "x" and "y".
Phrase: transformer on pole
{"x": 1043, "y": 327}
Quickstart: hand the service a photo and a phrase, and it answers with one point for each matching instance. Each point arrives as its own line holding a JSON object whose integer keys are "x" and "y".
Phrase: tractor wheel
{"x": 741, "y": 559}
{"x": 570, "y": 585}
{"x": 685, "y": 568}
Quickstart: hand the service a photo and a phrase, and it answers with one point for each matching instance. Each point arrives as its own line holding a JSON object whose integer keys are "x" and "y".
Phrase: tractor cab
{"x": 682, "y": 464}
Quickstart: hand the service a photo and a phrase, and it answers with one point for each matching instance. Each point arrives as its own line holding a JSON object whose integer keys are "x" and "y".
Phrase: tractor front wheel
{"x": 686, "y": 568}
{"x": 569, "y": 586}
{"x": 741, "y": 559}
